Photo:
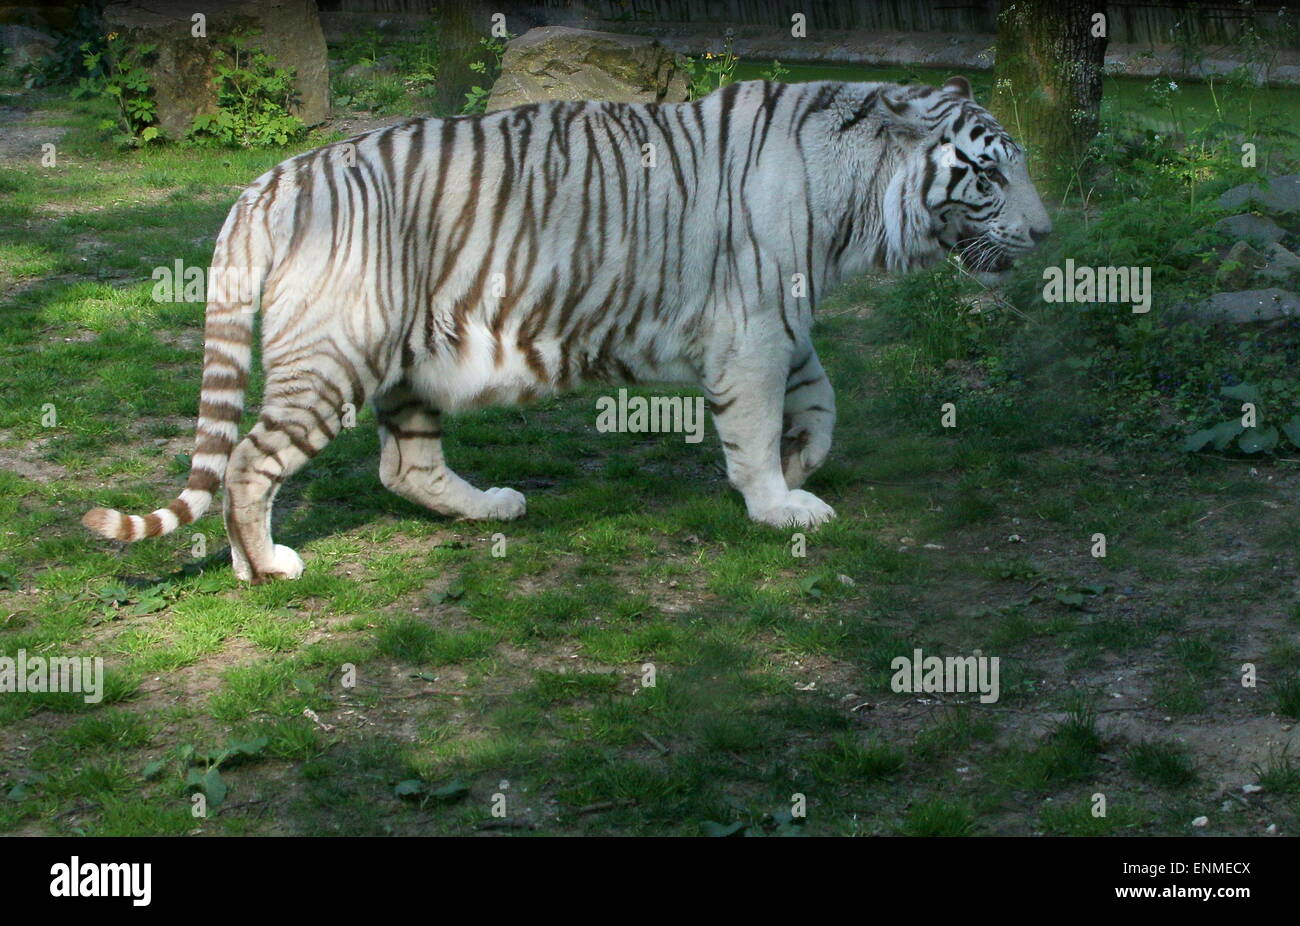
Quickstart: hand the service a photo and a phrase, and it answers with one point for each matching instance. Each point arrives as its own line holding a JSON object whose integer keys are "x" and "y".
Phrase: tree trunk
{"x": 459, "y": 32}
{"x": 1047, "y": 79}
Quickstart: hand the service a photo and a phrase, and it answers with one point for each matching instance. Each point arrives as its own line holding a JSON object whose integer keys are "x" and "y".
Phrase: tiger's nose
{"x": 1038, "y": 234}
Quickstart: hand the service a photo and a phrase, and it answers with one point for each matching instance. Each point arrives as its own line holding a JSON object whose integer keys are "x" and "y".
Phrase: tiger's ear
{"x": 958, "y": 85}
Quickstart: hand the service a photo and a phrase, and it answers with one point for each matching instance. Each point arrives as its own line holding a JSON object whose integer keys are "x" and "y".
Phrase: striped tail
{"x": 233, "y": 297}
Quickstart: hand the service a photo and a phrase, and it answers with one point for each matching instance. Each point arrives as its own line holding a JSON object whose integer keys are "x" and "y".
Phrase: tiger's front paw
{"x": 799, "y": 509}
{"x": 502, "y": 505}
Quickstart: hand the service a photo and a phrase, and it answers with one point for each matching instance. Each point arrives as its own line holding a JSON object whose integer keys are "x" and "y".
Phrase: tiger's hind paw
{"x": 285, "y": 564}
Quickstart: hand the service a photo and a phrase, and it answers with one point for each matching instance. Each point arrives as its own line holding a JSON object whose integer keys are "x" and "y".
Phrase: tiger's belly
{"x": 506, "y": 370}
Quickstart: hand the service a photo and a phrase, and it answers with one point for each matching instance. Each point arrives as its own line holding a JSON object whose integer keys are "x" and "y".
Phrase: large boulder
{"x": 288, "y": 31}
{"x": 562, "y": 63}
{"x": 1252, "y": 305}
{"x": 1281, "y": 264}
{"x": 1258, "y": 230}
{"x": 1280, "y": 195}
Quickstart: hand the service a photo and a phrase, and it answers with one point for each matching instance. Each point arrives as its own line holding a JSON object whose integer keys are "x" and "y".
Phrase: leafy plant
{"x": 714, "y": 72}
{"x": 119, "y": 70}
{"x": 417, "y": 789}
{"x": 114, "y": 600}
{"x": 254, "y": 98}
{"x": 1251, "y": 438}
{"x": 490, "y": 68}
{"x": 200, "y": 769}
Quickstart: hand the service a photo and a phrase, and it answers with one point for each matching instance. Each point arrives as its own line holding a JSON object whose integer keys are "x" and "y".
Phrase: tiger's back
{"x": 513, "y": 254}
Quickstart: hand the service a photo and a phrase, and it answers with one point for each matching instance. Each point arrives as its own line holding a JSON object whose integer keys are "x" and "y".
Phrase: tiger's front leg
{"x": 748, "y": 398}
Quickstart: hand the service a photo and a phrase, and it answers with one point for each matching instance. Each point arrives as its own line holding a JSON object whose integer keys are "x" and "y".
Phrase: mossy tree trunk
{"x": 460, "y": 26}
{"x": 1048, "y": 77}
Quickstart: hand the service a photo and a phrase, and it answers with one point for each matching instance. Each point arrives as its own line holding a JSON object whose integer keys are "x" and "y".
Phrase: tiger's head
{"x": 981, "y": 201}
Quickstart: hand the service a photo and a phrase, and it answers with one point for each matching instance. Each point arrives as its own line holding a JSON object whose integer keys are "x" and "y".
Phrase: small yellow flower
{"x": 112, "y": 36}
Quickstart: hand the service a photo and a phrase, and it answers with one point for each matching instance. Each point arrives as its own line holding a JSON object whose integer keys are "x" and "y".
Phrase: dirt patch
{"x": 21, "y": 139}
{"x": 27, "y": 459}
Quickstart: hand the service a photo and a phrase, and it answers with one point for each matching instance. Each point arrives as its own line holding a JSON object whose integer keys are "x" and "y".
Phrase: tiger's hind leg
{"x": 411, "y": 463}
{"x": 300, "y": 415}
{"x": 808, "y": 420}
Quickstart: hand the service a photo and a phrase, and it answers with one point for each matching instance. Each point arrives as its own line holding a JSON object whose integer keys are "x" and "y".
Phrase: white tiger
{"x": 440, "y": 265}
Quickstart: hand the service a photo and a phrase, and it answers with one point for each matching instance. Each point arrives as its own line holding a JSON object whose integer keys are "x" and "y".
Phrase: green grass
{"x": 1069, "y": 753}
{"x": 939, "y": 817}
{"x": 1090, "y": 818}
{"x": 1286, "y": 696}
{"x": 1164, "y": 765}
{"x": 1279, "y": 773}
{"x": 642, "y": 659}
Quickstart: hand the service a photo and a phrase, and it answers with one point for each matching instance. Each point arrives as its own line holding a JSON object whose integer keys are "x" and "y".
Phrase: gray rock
{"x": 1256, "y": 229}
{"x": 287, "y": 30}
{"x": 26, "y": 46}
{"x": 1282, "y": 194}
{"x": 1281, "y": 264}
{"x": 561, "y": 63}
{"x": 1251, "y": 305}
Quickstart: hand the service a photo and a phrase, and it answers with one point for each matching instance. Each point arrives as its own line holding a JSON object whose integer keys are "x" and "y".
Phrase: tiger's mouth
{"x": 983, "y": 254}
